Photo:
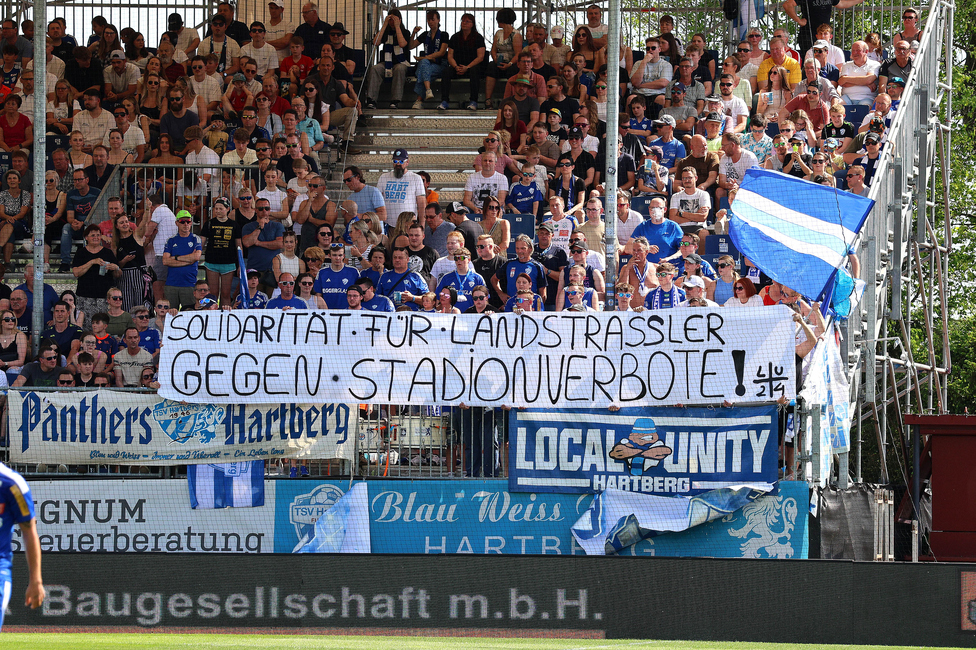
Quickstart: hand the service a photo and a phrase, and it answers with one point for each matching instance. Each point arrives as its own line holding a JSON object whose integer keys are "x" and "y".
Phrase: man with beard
{"x": 402, "y": 190}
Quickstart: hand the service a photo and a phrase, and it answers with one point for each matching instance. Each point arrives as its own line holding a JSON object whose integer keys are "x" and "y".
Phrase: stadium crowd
{"x": 266, "y": 99}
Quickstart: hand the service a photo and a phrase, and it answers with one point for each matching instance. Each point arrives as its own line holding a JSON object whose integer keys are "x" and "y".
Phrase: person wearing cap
{"x": 526, "y": 79}
{"x": 899, "y": 67}
{"x": 788, "y": 156}
{"x": 257, "y": 299}
{"x": 370, "y": 301}
{"x": 652, "y": 176}
{"x": 553, "y": 258}
{"x": 222, "y": 45}
{"x": 457, "y": 215}
{"x": 355, "y": 295}
{"x": 187, "y": 38}
{"x": 713, "y": 122}
{"x": 859, "y": 77}
{"x": 221, "y": 237}
{"x": 684, "y": 115}
{"x": 856, "y": 148}
{"x": 121, "y": 78}
{"x": 182, "y": 256}
{"x": 584, "y": 163}
{"x": 694, "y": 287}
{"x": 672, "y": 149}
{"x": 280, "y": 30}
{"x": 872, "y": 156}
{"x": 402, "y": 189}
{"x": 831, "y": 54}
{"x": 894, "y": 89}
{"x": 526, "y": 107}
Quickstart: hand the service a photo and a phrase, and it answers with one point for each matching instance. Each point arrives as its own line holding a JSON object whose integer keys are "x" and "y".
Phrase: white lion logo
{"x": 761, "y": 515}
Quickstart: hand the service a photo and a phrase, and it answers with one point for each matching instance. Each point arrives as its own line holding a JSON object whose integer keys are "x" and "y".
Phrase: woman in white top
{"x": 64, "y": 107}
{"x": 774, "y": 99}
{"x": 744, "y": 294}
{"x": 287, "y": 261}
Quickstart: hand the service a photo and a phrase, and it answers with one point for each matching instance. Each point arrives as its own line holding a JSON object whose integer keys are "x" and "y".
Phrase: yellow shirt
{"x": 793, "y": 69}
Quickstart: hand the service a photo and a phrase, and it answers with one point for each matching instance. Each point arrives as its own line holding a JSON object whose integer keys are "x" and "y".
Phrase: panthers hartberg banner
{"x": 565, "y": 359}
{"x": 112, "y": 427}
{"x": 662, "y": 451}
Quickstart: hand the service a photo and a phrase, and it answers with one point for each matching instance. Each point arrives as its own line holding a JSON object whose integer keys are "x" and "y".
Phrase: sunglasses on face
{"x": 184, "y": 221}
{"x": 572, "y": 292}
{"x": 663, "y": 275}
{"x": 147, "y": 376}
{"x": 347, "y": 180}
{"x": 492, "y": 208}
{"x": 63, "y": 382}
{"x": 725, "y": 85}
{"x": 723, "y": 265}
{"x": 48, "y": 358}
{"x": 739, "y": 288}
{"x": 257, "y": 30}
{"x": 744, "y": 51}
{"x": 565, "y": 164}
{"x": 307, "y": 284}
{"x": 287, "y": 283}
{"x": 196, "y": 67}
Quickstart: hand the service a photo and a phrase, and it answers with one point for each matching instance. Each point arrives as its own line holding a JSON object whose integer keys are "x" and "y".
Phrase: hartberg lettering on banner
{"x": 667, "y": 451}
{"x": 544, "y": 359}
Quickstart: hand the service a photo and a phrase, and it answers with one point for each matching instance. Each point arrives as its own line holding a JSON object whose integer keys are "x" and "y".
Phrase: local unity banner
{"x": 565, "y": 359}
{"x": 143, "y": 429}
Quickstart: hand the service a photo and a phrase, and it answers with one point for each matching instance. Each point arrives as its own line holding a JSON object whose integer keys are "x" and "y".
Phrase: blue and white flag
{"x": 228, "y": 485}
{"x": 618, "y": 519}
{"x": 341, "y": 528}
{"x": 242, "y": 278}
{"x": 796, "y": 232}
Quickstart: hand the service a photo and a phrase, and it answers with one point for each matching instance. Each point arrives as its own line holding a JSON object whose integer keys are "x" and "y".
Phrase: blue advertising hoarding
{"x": 483, "y": 517}
{"x": 664, "y": 451}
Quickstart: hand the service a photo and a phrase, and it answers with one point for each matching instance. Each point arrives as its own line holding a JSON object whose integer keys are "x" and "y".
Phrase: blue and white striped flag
{"x": 242, "y": 279}
{"x": 796, "y": 232}
{"x": 228, "y": 485}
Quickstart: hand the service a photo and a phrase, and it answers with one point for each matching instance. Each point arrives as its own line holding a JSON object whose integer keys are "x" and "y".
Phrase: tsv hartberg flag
{"x": 618, "y": 519}
{"x": 796, "y": 232}
{"x": 227, "y": 485}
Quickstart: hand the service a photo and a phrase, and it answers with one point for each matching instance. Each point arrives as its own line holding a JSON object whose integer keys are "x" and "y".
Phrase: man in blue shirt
{"x": 50, "y": 293}
{"x": 78, "y": 205}
{"x": 673, "y": 149}
{"x": 263, "y": 239}
{"x": 365, "y": 197}
{"x": 335, "y": 279}
{"x": 666, "y": 295}
{"x": 523, "y": 263}
{"x": 182, "y": 257}
{"x": 663, "y": 235}
{"x": 401, "y": 285}
{"x": 371, "y": 301}
{"x": 287, "y": 300}
{"x": 18, "y": 508}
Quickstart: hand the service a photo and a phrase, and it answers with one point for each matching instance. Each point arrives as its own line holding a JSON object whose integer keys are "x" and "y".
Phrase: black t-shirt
{"x": 34, "y": 376}
{"x": 560, "y": 189}
{"x": 129, "y": 246}
{"x": 488, "y": 269}
{"x": 422, "y": 261}
{"x": 845, "y": 130}
{"x": 526, "y": 107}
{"x": 471, "y": 232}
{"x": 553, "y": 258}
{"x": 568, "y": 108}
{"x": 584, "y": 163}
{"x": 465, "y": 50}
{"x": 288, "y": 172}
{"x": 221, "y": 236}
{"x": 546, "y": 71}
{"x": 63, "y": 339}
{"x": 92, "y": 284}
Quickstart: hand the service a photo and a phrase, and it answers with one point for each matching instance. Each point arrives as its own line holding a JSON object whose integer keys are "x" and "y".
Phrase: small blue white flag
{"x": 228, "y": 485}
{"x": 797, "y": 232}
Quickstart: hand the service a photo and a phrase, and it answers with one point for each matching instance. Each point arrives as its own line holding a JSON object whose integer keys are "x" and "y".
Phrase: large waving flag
{"x": 226, "y": 485}
{"x": 796, "y": 232}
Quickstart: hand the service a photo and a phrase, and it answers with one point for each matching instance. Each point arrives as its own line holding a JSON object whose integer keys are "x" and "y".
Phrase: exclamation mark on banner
{"x": 739, "y": 359}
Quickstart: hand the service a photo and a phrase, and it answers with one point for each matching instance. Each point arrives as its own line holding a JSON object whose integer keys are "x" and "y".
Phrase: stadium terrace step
{"x": 417, "y": 143}
{"x": 419, "y": 122}
{"x": 450, "y": 160}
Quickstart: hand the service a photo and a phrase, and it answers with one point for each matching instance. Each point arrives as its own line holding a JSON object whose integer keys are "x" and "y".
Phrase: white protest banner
{"x": 565, "y": 359}
{"x": 113, "y": 427}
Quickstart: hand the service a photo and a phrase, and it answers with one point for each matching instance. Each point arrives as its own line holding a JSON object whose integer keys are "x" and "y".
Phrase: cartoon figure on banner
{"x": 642, "y": 449}
{"x": 306, "y": 509}
{"x": 761, "y": 516}
{"x": 185, "y": 422}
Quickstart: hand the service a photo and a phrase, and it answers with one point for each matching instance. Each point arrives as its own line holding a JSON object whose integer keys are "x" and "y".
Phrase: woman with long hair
{"x": 571, "y": 74}
{"x": 136, "y": 52}
{"x": 503, "y": 161}
{"x": 723, "y": 288}
{"x": 140, "y": 121}
{"x": 89, "y": 344}
{"x": 670, "y": 51}
{"x": 104, "y": 46}
{"x": 583, "y": 44}
{"x": 495, "y": 225}
{"x": 398, "y": 236}
{"x": 77, "y": 158}
{"x": 13, "y": 346}
{"x": 744, "y": 294}
{"x": 266, "y": 119}
{"x": 303, "y": 289}
{"x": 316, "y": 108}
{"x": 55, "y": 208}
{"x": 376, "y": 226}
{"x": 75, "y": 315}
{"x": 127, "y": 246}
{"x": 165, "y": 157}
{"x": 508, "y": 120}
{"x": 64, "y": 107}
{"x": 446, "y": 299}
{"x": 153, "y": 66}
{"x": 772, "y": 100}
{"x": 363, "y": 240}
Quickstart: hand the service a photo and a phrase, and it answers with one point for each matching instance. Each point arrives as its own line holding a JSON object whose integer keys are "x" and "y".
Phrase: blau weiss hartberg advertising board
{"x": 427, "y": 517}
{"x": 112, "y": 427}
{"x": 664, "y": 451}
{"x": 565, "y": 359}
